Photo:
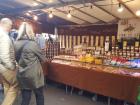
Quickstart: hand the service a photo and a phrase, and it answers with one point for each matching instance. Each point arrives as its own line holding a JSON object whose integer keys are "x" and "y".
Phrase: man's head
{"x": 6, "y": 24}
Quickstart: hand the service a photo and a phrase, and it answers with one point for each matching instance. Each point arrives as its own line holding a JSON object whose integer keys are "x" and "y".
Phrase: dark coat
{"x": 30, "y": 61}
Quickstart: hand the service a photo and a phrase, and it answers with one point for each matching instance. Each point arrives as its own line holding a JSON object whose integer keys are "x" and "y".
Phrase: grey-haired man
{"x": 7, "y": 63}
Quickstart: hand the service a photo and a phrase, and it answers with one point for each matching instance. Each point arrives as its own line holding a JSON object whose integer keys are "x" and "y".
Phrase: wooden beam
{"x": 117, "y": 18}
{"x": 42, "y": 6}
{"x": 61, "y": 1}
{"x": 120, "y": 1}
{"x": 64, "y": 3}
{"x": 88, "y": 14}
{"x": 73, "y": 16}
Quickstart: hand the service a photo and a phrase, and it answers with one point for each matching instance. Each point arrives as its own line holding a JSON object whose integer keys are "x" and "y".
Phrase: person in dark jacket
{"x": 29, "y": 58}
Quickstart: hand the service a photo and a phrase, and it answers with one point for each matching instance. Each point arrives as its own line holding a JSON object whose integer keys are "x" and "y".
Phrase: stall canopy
{"x": 72, "y": 12}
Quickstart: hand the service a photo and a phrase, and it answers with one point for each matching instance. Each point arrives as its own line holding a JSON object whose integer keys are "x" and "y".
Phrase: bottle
{"x": 106, "y": 45}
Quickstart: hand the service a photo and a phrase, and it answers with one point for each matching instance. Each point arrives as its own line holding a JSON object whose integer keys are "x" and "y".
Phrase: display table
{"x": 45, "y": 68}
{"x": 96, "y": 79}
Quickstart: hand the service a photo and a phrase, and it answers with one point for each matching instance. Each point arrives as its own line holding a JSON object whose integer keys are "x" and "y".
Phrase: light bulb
{"x": 28, "y": 14}
{"x": 69, "y": 15}
{"x": 50, "y": 15}
{"x": 29, "y": 11}
{"x": 35, "y": 18}
{"x": 120, "y": 9}
{"x": 91, "y": 7}
{"x": 138, "y": 13}
{"x": 35, "y": 4}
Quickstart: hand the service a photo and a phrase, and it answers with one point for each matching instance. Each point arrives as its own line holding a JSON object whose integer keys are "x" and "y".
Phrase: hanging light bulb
{"x": 35, "y": 18}
{"x": 30, "y": 11}
{"x": 35, "y": 4}
{"x": 50, "y": 14}
{"x": 28, "y": 14}
{"x": 120, "y": 9}
{"x": 69, "y": 15}
{"x": 138, "y": 13}
{"x": 91, "y": 6}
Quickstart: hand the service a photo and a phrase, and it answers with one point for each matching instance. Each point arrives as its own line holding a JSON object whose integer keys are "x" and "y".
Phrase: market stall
{"x": 116, "y": 82}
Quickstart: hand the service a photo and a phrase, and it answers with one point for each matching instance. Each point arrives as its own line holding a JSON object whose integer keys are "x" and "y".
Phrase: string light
{"x": 35, "y": 4}
{"x": 29, "y": 11}
{"x": 138, "y": 13}
{"x": 28, "y": 14}
{"x": 120, "y": 8}
{"x": 50, "y": 14}
{"x": 91, "y": 6}
{"x": 35, "y": 18}
{"x": 69, "y": 15}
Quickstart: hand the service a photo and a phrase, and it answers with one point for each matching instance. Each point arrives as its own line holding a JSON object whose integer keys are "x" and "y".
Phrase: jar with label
{"x": 124, "y": 48}
{"x": 136, "y": 49}
{"x": 120, "y": 53}
{"x": 124, "y": 56}
{"x": 112, "y": 53}
{"x": 124, "y": 43}
{"x": 132, "y": 47}
{"x": 124, "y": 53}
{"x": 116, "y": 53}
{"x": 132, "y": 54}
{"x": 137, "y": 44}
{"x": 102, "y": 51}
{"x": 137, "y": 54}
{"x": 132, "y": 51}
{"x": 113, "y": 48}
{"x": 128, "y": 54}
{"x": 117, "y": 48}
{"x": 128, "y": 48}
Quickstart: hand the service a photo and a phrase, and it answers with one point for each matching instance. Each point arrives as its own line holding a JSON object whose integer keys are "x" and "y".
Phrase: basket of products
{"x": 98, "y": 60}
{"x": 89, "y": 58}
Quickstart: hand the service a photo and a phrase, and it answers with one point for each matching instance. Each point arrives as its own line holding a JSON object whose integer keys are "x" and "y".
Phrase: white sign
{"x": 128, "y": 28}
